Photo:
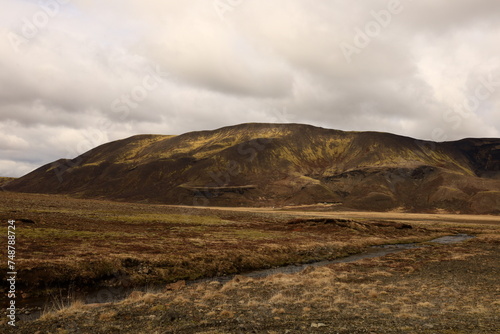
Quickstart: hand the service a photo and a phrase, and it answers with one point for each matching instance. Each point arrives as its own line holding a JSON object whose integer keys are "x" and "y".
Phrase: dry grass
{"x": 108, "y": 315}
{"x": 399, "y": 287}
{"x": 89, "y": 241}
{"x": 384, "y": 291}
{"x": 278, "y": 311}
{"x": 226, "y": 314}
{"x": 63, "y": 310}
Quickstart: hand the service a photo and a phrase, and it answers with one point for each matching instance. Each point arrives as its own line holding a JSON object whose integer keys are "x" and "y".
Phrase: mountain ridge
{"x": 285, "y": 164}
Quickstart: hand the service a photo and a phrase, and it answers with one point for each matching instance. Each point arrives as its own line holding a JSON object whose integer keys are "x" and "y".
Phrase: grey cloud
{"x": 86, "y": 77}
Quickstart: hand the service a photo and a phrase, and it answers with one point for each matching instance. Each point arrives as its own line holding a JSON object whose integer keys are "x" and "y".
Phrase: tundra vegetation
{"x": 81, "y": 243}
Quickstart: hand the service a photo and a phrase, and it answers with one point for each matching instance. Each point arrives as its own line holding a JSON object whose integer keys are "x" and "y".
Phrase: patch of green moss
{"x": 170, "y": 218}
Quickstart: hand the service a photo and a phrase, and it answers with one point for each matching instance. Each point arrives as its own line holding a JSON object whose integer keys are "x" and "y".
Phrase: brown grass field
{"x": 87, "y": 244}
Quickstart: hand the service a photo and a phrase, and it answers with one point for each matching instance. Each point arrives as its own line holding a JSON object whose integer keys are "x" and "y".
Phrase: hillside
{"x": 5, "y": 180}
{"x": 283, "y": 164}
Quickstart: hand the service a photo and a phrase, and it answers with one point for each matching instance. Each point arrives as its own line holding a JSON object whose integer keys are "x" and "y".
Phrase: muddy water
{"x": 374, "y": 251}
{"x": 104, "y": 295}
{"x": 452, "y": 239}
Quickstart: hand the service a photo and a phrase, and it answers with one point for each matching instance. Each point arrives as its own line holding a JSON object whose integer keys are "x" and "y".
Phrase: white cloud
{"x": 90, "y": 72}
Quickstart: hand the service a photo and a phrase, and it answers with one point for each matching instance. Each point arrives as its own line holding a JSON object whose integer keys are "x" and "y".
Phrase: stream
{"x": 31, "y": 308}
{"x": 374, "y": 251}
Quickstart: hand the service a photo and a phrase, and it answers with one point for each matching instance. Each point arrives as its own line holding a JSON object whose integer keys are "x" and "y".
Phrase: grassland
{"x": 442, "y": 289}
{"x": 86, "y": 243}
{"x": 89, "y": 242}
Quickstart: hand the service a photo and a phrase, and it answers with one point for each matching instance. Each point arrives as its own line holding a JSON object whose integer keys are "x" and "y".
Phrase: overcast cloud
{"x": 76, "y": 74}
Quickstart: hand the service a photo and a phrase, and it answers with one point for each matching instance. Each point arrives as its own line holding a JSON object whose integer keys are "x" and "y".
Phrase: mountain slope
{"x": 283, "y": 164}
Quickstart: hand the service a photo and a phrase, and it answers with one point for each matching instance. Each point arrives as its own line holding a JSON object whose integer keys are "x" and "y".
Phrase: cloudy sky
{"x": 77, "y": 73}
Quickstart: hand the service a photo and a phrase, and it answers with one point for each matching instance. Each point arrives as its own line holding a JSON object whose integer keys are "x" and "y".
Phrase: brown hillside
{"x": 283, "y": 164}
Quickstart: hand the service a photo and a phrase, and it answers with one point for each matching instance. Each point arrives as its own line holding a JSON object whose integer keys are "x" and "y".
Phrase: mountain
{"x": 283, "y": 164}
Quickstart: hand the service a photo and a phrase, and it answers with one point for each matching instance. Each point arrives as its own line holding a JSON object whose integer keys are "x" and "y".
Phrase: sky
{"x": 75, "y": 74}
